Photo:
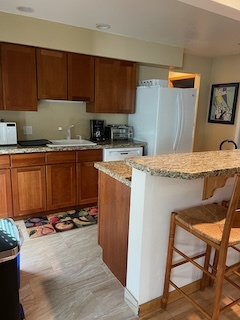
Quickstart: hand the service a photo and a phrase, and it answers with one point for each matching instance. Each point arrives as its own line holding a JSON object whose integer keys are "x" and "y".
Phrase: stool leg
{"x": 214, "y": 270}
{"x": 169, "y": 262}
{"x": 205, "y": 278}
{"x": 221, "y": 267}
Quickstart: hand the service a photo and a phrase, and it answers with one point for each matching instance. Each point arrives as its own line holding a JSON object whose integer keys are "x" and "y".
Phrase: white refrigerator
{"x": 164, "y": 119}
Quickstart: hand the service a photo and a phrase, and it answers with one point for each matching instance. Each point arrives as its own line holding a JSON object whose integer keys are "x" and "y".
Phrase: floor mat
{"x": 62, "y": 221}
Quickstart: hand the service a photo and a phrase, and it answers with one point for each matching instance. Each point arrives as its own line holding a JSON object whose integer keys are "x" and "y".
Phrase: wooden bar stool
{"x": 213, "y": 224}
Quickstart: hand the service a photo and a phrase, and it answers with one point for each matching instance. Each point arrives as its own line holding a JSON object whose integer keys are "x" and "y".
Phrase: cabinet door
{"x": 19, "y": 86}
{"x": 105, "y": 87}
{"x": 113, "y": 224}
{"x": 126, "y": 85}
{"x": 115, "y": 86}
{"x": 5, "y": 194}
{"x": 61, "y": 185}
{"x": 87, "y": 176}
{"x": 29, "y": 190}
{"x": 80, "y": 77}
{"x": 52, "y": 74}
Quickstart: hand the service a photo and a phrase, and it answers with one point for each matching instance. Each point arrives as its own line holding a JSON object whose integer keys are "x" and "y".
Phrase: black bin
{"x": 10, "y": 243}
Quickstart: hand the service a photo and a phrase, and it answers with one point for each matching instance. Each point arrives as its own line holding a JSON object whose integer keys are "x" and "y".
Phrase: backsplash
{"x": 54, "y": 114}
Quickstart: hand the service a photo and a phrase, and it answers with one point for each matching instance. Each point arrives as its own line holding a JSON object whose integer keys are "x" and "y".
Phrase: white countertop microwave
{"x": 8, "y": 133}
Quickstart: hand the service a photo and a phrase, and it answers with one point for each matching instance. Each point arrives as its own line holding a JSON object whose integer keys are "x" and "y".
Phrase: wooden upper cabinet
{"x": 80, "y": 77}
{"x": 105, "y": 90}
{"x": 115, "y": 86}
{"x": 52, "y": 74}
{"x": 126, "y": 87}
{"x": 18, "y": 78}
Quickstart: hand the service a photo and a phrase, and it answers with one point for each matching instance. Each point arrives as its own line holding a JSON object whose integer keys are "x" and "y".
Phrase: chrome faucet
{"x": 68, "y": 131}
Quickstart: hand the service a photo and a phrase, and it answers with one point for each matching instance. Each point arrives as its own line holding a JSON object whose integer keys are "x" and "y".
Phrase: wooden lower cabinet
{"x": 114, "y": 206}
{"x": 87, "y": 176}
{"x": 5, "y": 187}
{"x": 5, "y": 194}
{"x": 29, "y": 191}
{"x": 43, "y": 182}
{"x": 61, "y": 179}
{"x": 28, "y": 183}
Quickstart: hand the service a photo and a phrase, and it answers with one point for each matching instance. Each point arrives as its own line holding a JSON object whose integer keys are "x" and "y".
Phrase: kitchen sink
{"x": 69, "y": 143}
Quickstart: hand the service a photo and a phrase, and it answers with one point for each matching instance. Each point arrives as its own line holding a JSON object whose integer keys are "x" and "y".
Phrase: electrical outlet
{"x": 27, "y": 129}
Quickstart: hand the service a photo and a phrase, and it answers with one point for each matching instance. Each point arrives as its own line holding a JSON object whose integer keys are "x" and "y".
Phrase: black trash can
{"x": 10, "y": 244}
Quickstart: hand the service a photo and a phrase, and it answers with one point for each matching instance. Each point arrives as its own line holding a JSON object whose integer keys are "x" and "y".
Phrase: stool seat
{"x": 208, "y": 221}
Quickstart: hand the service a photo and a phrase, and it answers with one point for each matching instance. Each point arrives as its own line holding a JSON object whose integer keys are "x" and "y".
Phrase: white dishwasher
{"x": 117, "y": 154}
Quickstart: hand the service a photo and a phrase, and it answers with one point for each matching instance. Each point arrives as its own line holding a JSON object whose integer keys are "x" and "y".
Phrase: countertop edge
{"x": 189, "y": 166}
{"x": 117, "y": 170}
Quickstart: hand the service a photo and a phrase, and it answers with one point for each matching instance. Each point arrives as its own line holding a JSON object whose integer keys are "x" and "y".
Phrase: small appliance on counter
{"x": 118, "y": 132}
{"x": 8, "y": 133}
{"x": 97, "y": 130}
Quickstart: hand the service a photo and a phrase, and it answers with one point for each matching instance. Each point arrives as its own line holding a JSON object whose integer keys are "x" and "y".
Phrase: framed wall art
{"x": 223, "y": 103}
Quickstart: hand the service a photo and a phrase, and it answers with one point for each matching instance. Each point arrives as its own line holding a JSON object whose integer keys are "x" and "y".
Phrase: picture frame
{"x": 223, "y": 103}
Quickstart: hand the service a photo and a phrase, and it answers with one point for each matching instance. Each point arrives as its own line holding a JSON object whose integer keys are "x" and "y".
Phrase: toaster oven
{"x": 118, "y": 132}
{"x": 8, "y": 133}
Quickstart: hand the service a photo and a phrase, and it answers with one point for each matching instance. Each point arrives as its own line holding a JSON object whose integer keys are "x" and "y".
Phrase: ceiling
{"x": 203, "y": 27}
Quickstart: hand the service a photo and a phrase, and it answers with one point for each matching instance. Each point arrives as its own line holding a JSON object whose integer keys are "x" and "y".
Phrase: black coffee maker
{"x": 97, "y": 130}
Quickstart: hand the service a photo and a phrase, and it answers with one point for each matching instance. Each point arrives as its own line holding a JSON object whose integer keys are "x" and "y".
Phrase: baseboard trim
{"x": 131, "y": 301}
{"x": 155, "y": 305}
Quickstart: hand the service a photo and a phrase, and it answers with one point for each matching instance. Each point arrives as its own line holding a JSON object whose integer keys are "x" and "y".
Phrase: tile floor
{"x": 64, "y": 278}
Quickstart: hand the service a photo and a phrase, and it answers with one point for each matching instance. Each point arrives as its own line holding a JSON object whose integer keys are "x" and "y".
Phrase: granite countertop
{"x": 101, "y": 145}
{"x": 189, "y": 165}
{"x": 117, "y": 170}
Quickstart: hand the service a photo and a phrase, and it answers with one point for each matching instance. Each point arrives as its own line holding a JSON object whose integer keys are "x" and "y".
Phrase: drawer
{"x": 89, "y": 155}
{"x": 26, "y": 160}
{"x": 60, "y": 157}
{"x": 5, "y": 161}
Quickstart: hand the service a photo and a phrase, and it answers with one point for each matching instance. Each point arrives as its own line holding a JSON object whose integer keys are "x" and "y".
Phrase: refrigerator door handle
{"x": 179, "y": 124}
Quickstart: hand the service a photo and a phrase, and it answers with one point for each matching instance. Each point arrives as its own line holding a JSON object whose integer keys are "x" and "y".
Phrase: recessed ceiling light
{"x": 103, "y": 26}
{"x": 25, "y": 9}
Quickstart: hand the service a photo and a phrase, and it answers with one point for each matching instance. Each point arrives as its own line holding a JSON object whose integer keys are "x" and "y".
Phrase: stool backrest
{"x": 231, "y": 211}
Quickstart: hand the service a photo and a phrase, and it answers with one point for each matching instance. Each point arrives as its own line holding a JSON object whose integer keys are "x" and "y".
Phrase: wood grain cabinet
{"x": 87, "y": 176}
{"x": 18, "y": 82}
{"x": 113, "y": 225}
{"x": 28, "y": 183}
{"x": 80, "y": 77}
{"x": 5, "y": 189}
{"x": 65, "y": 76}
{"x": 115, "y": 86}
{"x": 51, "y": 74}
{"x": 61, "y": 179}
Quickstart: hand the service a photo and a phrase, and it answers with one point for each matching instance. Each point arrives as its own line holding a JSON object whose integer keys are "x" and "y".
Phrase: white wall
{"x": 224, "y": 70}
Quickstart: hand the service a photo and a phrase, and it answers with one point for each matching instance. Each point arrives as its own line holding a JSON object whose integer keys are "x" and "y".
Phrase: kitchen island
{"x": 159, "y": 185}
